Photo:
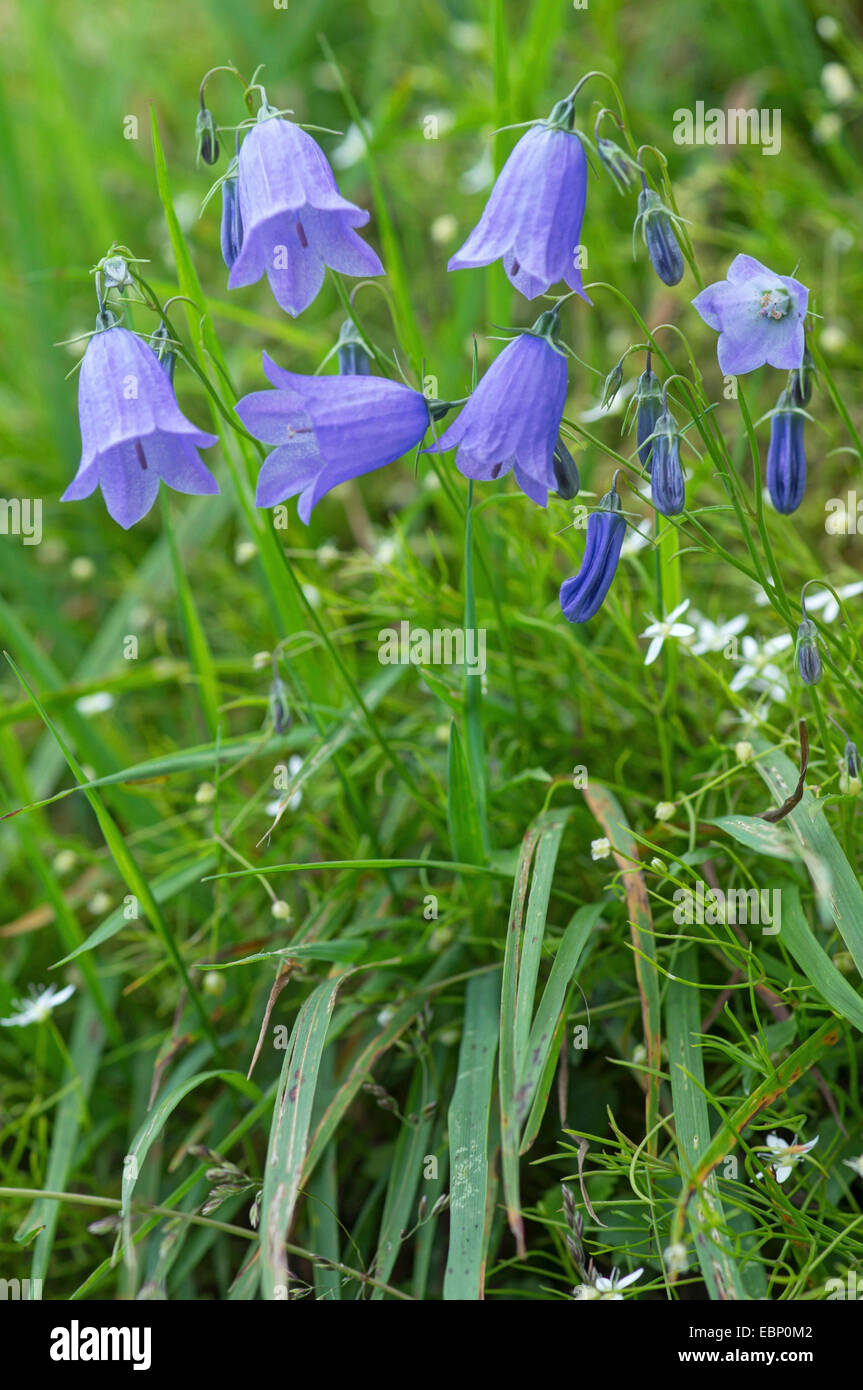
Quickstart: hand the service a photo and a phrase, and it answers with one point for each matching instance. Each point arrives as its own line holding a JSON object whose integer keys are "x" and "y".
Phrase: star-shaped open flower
{"x": 758, "y": 316}
{"x": 658, "y": 631}
{"x": 38, "y": 1006}
{"x": 606, "y": 1287}
{"x": 784, "y": 1156}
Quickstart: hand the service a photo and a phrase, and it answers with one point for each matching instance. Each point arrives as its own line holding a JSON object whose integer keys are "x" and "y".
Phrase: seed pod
{"x": 612, "y": 384}
{"x": 619, "y": 166}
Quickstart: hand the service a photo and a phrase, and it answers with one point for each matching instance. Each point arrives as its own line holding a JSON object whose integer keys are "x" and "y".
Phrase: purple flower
{"x": 584, "y": 595}
{"x": 786, "y": 456}
{"x": 295, "y": 222}
{"x": 648, "y": 395}
{"x": 532, "y": 221}
{"x": 512, "y": 420}
{"x": 132, "y": 431}
{"x": 758, "y": 315}
{"x": 657, "y": 229}
{"x": 807, "y": 655}
{"x": 667, "y": 484}
{"x": 328, "y": 429}
{"x": 231, "y": 231}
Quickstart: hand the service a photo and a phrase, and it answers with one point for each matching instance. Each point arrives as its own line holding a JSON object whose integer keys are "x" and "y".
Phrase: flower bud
{"x": 657, "y": 230}
{"x": 160, "y": 343}
{"x": 583, "y": 595}
{"x": 612, "y": 385}
{"x": 802, "y": 380}
{"x": 207, "y": 145}
{"x": 807, "y": 654}
{"x": 231, "y": 234}
{"x": 786, "y": 458}
{"x": 565, "y": 471}
{"x": 351, "y": 352}
{"x": 849, "y": 770}
{"x": 667, "y": 485}
{"x": 279, "y": 709}
{"x": 648, "y": 395}
{"x": 619, "y": 166}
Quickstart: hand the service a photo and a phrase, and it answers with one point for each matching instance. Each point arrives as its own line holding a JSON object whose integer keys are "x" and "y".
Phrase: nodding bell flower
{"x": 328, "y": 429}
{"x": 280, "y": 711}
{"x": 786, "y": 456}
{"x": 532, "y": 220}
{"x": 565, "y": 471}
{"x": 206, "y": 140}
{"x": 758, "y": 316}
{"x": 806, "y": 653}
{"x": 583, "y": 595}
{"x": 295, "y": 222}
{"x": 512, "y": 419}
{"x": 667, "y": 484}
{"x": 351, "y": 351}
{"x": 802, "y": 380}
{"x": 133, "y": 433}
{"x": 648, "y": 398}
{"x": 657, "y": 229}
{"x": 231, "y": 232}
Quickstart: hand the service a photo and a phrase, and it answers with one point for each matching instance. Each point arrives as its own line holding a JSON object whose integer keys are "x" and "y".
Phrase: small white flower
{"x": 38, "y": 1007}
{"x": 676, "y": 1258}
{"x": 600, "y": 849}
{"x": 607, "y": 1287}
{"x": 205, "y": 794}
{"x": 82, "y": 568}
{"x": 65, "y": 861}
{"x": 714, "y": 637}
{"x": 743, "y": 751}
{"x": 352, "y": 148}
{"x": 664, "y": 810}
{"x": 97, "y": 703}
{"x": 856, "y": 1164}
{"x": 260, "y": 660}
{"x": 759, "y": 667}
{"x": 443, "y": 229}
{"x": 658, "y": 631}
{"x": 281, "y": 910}
{"x": 272, "y": 808}
{"x": 327, "y": 554}
{"x": 313, "y": 595}
{"x": 244, "y": 551}
{"x": 385, "y": 1016}
{"x": 833, "y": 338}
{"x": 386, "y": 551}
{"x": 100, "y": 903}
{"x": 837, "y": 83}
{"x": 784, "y": 1156}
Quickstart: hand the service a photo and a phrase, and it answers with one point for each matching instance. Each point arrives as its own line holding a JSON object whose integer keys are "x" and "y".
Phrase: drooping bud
{"x": 613, "y": 383}
{"x": 667, "y": 484}
{"x": 786, "y": 458}
{"x": 565, "y": 472}
{"x": 619, "y": 166}
{"x": 849, "y": 770}
{"x": 161, "y": 345}
{"x": 648, "y": 395}
{"x": 583, "y": 595}
{"x": 351, "y": 351}
{"x": 807, "y": 655}
{"x": 206, "y": 141}
{"x": 232, "y": 222}
{"x": 657, "y": 229}
{"x": 279, "y": 709}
